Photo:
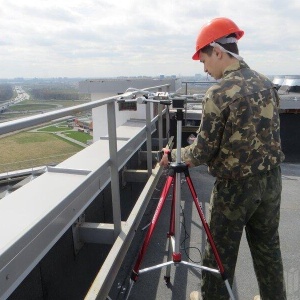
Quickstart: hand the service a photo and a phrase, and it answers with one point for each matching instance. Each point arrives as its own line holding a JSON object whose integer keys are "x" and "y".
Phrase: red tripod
{"x": 174, "y": 177}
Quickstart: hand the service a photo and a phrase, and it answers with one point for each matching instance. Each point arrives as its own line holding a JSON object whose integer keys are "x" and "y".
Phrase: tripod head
{"x": 142, "y": 96}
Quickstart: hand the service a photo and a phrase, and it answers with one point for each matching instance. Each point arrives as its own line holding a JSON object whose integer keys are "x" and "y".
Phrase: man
{"x": 239, "y": 140}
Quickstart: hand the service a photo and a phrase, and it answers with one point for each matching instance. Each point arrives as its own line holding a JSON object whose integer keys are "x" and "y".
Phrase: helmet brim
{"x": 196, "y": 56}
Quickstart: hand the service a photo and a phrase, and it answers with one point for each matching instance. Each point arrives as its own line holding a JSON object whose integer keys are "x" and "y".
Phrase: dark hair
{"x": 232, "y": 47}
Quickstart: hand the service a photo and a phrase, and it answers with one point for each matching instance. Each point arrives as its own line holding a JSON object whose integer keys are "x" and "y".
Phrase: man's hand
{"x": 166, "y": 158}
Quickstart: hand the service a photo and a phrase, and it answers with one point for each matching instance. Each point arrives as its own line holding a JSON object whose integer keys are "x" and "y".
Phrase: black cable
{"x": 186, "y": 237}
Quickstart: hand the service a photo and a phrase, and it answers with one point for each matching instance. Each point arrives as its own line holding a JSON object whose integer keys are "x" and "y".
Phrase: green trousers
{"x": 252, "y": 203}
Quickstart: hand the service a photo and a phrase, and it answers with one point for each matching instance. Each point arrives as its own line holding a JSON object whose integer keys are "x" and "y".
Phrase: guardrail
{"x": 72, "y": 207}
{"x": 197, "y": 83}
{"x": 23, "y": 123}
{"x": 27, "y": 122}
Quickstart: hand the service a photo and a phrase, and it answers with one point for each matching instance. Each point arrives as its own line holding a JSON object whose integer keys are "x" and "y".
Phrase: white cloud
{"x": 138, "y": 37}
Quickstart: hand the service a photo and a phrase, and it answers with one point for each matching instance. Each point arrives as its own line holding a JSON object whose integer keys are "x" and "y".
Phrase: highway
{"x": 21, "y": 96}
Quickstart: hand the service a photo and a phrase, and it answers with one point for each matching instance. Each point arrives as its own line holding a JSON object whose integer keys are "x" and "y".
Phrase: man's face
{"x": 211, "y": 64}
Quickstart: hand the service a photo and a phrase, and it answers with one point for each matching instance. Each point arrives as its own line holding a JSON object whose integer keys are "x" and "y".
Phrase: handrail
{"x": 23, "y": 123}
{"x": 197, "y": 82}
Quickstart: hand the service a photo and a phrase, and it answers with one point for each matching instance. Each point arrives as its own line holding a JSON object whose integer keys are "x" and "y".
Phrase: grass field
{"x": 63, "y": 128}
{"x": 54, "y": 128}
{"x": 30, "y": 149}
{"x": 78, "y": 136}
{"x": 38, "y": 106}
{"x": 32, "y": 107}
{"x": 26, "y": 149}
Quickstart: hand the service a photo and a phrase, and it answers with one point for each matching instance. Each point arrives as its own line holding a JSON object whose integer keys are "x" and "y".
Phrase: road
{"x": 21, "y": 96}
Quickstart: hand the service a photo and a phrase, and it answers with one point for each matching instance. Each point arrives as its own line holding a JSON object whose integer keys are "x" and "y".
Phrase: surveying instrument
{"x": 174, "y": 178}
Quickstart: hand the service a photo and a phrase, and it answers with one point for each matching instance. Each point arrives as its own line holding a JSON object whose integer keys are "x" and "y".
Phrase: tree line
{"x": 53, "y": 94}
{"x": 6, "y": 92}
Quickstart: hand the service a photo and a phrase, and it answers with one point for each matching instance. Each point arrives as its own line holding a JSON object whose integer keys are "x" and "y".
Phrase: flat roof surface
{"x": 290, "y": 101}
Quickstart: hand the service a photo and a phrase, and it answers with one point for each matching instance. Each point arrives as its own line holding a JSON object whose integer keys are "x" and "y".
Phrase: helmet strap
{"x": 226, "y": 41}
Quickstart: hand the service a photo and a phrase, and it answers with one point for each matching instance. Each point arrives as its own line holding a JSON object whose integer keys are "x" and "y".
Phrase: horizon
{"x": 131, "y": 76}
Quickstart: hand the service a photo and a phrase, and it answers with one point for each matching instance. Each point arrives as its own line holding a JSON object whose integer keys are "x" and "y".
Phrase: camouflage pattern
{"x": 239, "y": 132}
{"x": 254, "y": 203}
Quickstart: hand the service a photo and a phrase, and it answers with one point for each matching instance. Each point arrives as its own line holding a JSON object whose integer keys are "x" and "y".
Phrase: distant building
{"x": 198, "y": 77}
{"x": 84, "y": 123}
{"x": 100, "y": 88}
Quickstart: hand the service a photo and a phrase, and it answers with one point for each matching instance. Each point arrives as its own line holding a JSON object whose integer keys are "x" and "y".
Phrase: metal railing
{"x": 197, "y": 83}
{"x": 27, "y": 122}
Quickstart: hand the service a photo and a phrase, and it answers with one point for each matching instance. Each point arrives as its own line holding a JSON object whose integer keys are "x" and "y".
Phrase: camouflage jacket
{"x": 239, "y": 134}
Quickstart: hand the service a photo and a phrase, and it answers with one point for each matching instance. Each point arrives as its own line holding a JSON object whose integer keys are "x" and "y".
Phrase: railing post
{"x": 160, "y": 123}
{"x": 168, "y": 125}
{"x": 148, "y": 135}
{"x": 160, "y": 127}
{"x": 115, "y": 184}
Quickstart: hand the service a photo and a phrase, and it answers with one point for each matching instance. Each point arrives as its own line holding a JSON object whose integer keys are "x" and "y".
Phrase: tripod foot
{"x": 134, "y": 276}
{"x": 167, "y": 280}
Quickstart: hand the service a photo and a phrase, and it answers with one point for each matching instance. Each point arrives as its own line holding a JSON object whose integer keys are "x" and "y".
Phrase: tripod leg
{"x": 208, "y": 233}
{"x": 170, "y": 235}
{"x": 135, "y": 271}
{"x": 129, "y": 289}
{"x": 168, "y": 269}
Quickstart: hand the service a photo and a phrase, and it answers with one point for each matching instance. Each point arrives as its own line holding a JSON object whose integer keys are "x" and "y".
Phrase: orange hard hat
{"x": 213, "y": 30}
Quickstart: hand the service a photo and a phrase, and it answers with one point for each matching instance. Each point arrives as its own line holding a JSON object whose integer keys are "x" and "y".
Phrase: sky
{"x": 108, "y": 38}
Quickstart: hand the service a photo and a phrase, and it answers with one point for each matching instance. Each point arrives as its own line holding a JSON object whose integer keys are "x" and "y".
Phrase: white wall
{"x": 100, "y": 89}
{"x": 100, "y": 117}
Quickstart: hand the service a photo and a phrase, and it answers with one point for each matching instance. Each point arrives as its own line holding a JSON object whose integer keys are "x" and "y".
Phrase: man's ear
{"x": 218, "y": 52}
